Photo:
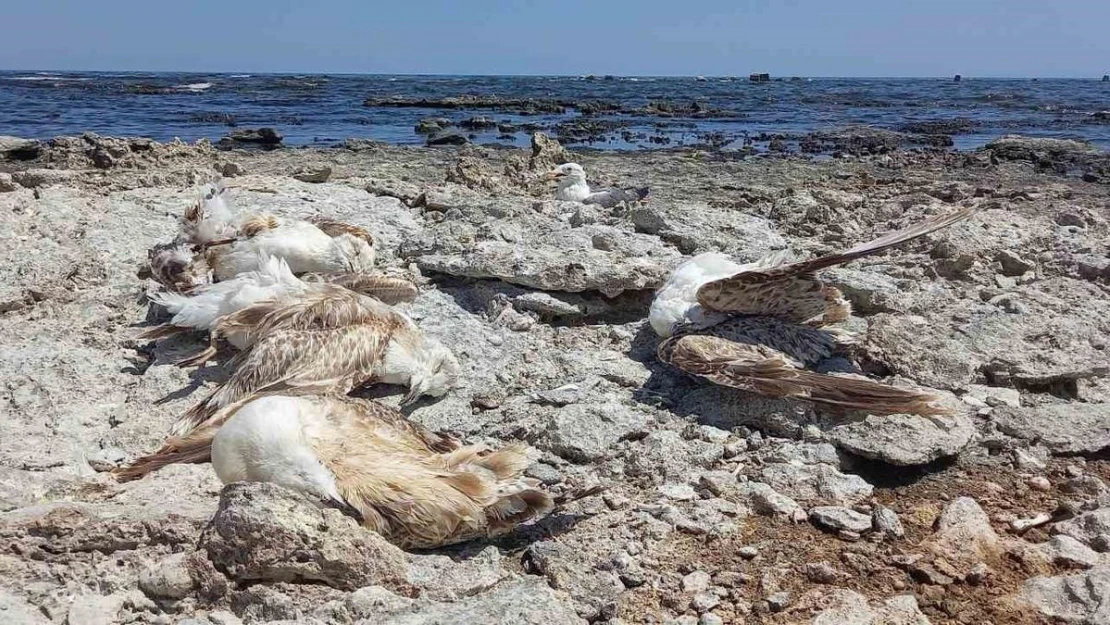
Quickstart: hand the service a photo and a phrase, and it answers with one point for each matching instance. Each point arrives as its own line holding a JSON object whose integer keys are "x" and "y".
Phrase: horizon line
{"x": 948, "y": 77}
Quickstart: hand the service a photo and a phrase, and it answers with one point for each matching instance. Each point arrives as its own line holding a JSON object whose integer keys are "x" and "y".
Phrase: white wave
{"x": 196, "y": 86}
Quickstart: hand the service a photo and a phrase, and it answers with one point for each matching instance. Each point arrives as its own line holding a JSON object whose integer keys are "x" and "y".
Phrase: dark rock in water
{"x": 256, "y": 136}
{"x": 143, "y": 89}
{"x": 447, "y": 137}
{"x": 226, "y": 119}
{"x": 593, "y": 107}
{"x": 524, "y": 106}
{"x": 760, "y": 78}
{"x": 1019, "y": 148}
{"x": 1106, "y": 78}
{"x": 18, "y": 148}
{"x": 431, "y": 125}
{"x": 855, "y": 140}
{"x": 478, "y": 123}
{"x": 939, "y": 127}
{"x": 957, "y": 78}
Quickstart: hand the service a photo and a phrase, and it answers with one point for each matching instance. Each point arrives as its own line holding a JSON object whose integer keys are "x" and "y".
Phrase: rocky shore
{"x": 720, "y": 507}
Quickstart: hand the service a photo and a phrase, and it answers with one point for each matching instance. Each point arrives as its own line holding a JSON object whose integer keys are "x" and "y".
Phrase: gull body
{"x": 759, "y": 327}
{"x": 572, "y": 186}
{"x": 416, "y": 489}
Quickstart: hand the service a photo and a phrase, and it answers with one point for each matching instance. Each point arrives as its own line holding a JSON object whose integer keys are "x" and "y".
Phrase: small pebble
{"x": 705, "y": 601}
{"x": 698, "y": 581}
{"x": 778, "y": 601}
{"x": 709, "y": 618}
{"x": 495, "y": 340}
{"x": 747, "y": 552}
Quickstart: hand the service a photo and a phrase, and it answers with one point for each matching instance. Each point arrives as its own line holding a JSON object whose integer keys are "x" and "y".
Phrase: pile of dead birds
{"x": 312, "y": 320}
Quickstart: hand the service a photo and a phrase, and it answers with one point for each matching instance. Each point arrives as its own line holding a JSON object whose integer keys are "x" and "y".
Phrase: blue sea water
{"x": 325, "y": 109}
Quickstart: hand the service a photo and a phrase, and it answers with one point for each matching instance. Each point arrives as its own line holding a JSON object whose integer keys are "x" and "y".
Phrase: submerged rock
{"x": 447, "y": 137}
{"x": 255, "y": 136}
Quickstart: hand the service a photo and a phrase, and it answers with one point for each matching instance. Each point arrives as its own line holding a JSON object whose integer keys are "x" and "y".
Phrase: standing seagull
{"x": 412, "y": 487}
{"x": 330, "y": 341}
{"x": 573, "y": 187}
{"x": 757, "y": 327}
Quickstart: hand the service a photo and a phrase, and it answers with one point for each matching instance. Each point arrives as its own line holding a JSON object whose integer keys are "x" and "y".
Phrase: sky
{"x": 1000, "y": 38}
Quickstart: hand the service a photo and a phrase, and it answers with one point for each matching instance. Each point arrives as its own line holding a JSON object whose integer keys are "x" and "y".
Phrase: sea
{"x": 628, "y": 113}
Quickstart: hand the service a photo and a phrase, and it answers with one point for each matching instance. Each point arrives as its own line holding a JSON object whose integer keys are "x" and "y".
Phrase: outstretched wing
{"x": 765, "y": 371}
{"x": 793, "y": 291}
{"x": 334, "y": 228}
{"x": 327, "y": 307}
{"x": 333, "y": 360}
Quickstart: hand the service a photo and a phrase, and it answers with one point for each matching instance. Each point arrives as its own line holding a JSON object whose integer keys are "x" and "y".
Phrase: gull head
{"x": 351, "y": 253}
{"x": 435, "y": 373}
{"x": 572, "y": 172}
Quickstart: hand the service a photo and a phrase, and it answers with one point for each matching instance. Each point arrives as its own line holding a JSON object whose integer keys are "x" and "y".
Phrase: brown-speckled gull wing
{"x": 793, "y": 291}
{"x": 765, "y": 371}
{"x": 406, "y": 435}
{"x": 296, "y": 361}
{"x": 385, "y": 288}
{"x": 332, "y": 306}
{"x": 334, "y": 228}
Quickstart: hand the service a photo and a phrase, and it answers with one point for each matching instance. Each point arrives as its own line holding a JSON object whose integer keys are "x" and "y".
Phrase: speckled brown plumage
{"x": 776, "y": 332}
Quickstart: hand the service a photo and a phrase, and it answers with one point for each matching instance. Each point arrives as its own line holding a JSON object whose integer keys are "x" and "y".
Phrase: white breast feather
{"x": 206, "y": 304}
{"x": 677, "y": 301}
{"x": 303, "y": 246}
{"x": 266, "y": 440}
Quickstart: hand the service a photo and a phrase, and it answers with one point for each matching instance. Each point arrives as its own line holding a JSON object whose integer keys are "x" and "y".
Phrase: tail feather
{"x": 162, "y": 331}
{"x": 200, "y": 358}
{"x": 519, "y": 507}
{"x": 868, "y": 395}
{"x": 194, "y": 448}
{"x": 507, "y": 463}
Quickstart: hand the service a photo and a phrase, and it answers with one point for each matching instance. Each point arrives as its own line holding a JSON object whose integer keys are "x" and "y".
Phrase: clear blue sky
{"x": 712, "y": 37}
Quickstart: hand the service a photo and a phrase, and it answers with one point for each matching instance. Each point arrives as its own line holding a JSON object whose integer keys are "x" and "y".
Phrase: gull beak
{"x": 554, "y": 175}
{"x": 345, "y": 508}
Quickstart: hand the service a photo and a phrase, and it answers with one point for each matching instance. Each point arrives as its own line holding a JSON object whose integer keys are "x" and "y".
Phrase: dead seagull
{"x": 758, "y": 327}
{"x": 215, "y": 242}
{"x": 204, "y": 306}
{"x": 331, "y": 341}
{"x": 415, "y": 488}
{"x": 573, "y": 187}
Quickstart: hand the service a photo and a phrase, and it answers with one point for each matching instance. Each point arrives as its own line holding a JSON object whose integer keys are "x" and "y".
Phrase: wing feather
{"x": 765, "y": 371}
{"x": 387, "y": 289}
{"x": 334, "y": 228}
{"x": 793, "y": 291}
{"x": 297, "y": 361}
